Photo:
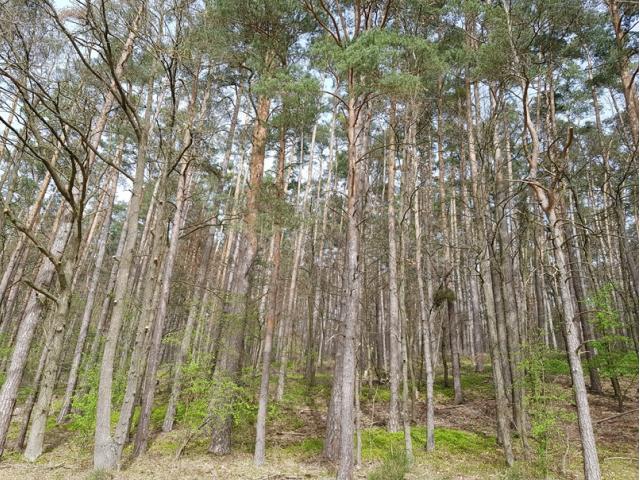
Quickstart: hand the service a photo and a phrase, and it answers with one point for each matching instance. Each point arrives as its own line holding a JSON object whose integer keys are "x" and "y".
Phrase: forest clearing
{"x": 289, "y": 239}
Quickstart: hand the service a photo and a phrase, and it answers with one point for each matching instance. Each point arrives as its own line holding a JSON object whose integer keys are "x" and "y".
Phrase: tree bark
{"x": 153, "y": 360}
{"x": 351, "y": 299}
{"x": 28, "y": 324}
{"x": 272, "y": 312}
{"x": 393, "y": 421}
{"x": 91, "y": 296}
{"x": 228, "y": 367}
{"x": 105, "y": 455}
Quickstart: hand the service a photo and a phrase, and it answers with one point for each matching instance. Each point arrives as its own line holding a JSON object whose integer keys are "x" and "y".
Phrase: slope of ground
{"x": 465, "y": 443}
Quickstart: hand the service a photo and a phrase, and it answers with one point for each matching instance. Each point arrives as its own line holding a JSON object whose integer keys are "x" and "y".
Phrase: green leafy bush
{"x": 82, "y": 418}
{"x": 544, "y": 400}
{"x": 615, "y": 355}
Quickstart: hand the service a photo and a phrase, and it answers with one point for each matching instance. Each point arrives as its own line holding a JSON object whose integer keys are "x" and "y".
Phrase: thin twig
{"x": 616, "y": 416}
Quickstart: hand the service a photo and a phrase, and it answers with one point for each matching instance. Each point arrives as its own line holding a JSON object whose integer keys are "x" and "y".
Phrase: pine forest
{"x": 323, "y": 239}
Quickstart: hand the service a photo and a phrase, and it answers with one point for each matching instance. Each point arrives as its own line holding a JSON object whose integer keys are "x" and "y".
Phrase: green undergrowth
{"x": 295, "y": 425}
{"x": 556, "y": 364}
{"x": 383, "y": 455}
{"x": 474, "y": 384}
{"x": 394, "y": 466}
{"x": 378, "y": 442}
{"x": 307, "y": 448}
{"x": 297, "y": 392}
{"x": 375, "y": 393}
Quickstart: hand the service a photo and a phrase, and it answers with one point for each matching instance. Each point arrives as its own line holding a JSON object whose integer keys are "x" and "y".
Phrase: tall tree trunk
{"x": 628, "y": 84}
{"x": 153, "y": 361}
{"x": 29, "y": 404}
{"x": 548, "y": 201}
{"x": 425, "y": 316}
{"x": 228, "y": 366}
{"x": 578, "y": 280}
{"x": 455, "y": 354}
{"x": 106, "y": 454}
{"x": 181, "y": 209}
{"x": 272, "y": 312}
{"x": 351, "y": 291}
{"x": 505, "y": 231}
{"x": 91, "y": 295}
{"x": 28, "y": 324}
{"x": 35, "y": 440}
{"x": 502, "y": 405}
{"x": 185, "y": 344}
{"x": 393, "y": 421}
{"x": 298, "y": 255}
{"x": 144, "y": 326}
{"x": 31, "y": 222}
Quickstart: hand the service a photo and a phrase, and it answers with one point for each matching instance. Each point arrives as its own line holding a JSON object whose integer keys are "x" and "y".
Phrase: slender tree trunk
{"x": 227, "y": 368}
{"x": 505, "y": 231}
{"x": 628, "y": 84}
{"x": 104, "y": 309}
{"x": 179, "y": 217}
{"x": 395, "y": 361}
{"x": 272, "y": 312}
{"x": 590, "y": 456}
{"x": 351, "y": 291}
{"x": 548, "y": 200}
{"x": 455, "y": 355}
{"x": 185, "y": 345}
{"x": 35, "y": 440}
{"x": 91, "y": 296}
{"x": 105, "y": 455}
{"x": 145, "y": 322}
{"x": 31, "y": 222}
{"x": 29, "y": 404}
{"x": 424, "y": 311}
{"x": 502, "y": 405}
{"x": 28, "y": 324}
{"x": 297, "y": 257}
{"x": 578, "y": 279}
{"x": 149, "y": 381}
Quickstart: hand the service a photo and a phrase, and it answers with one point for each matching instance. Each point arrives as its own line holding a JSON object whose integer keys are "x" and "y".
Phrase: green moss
{"x": 51, "y": 423}
{"x": 463, "y": 441}
{"x": 377, "y": 443}
{"x": 165, "y": 445}
{"x": 477, "y": 382}
{"x": 157, "y": 415}
{"x": 474, "y": 384}
{"x": 12, "y": 456}
{"x": 297, "y": 392}
{"x": 457, "y": 441}
{"x": 307, "y": 448}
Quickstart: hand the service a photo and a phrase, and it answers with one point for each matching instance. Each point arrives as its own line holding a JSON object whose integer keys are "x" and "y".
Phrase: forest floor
{"x": 465, "y": 441}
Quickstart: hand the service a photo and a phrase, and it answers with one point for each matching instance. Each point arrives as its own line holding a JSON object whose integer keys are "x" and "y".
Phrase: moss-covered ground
{"x": 466, "y": 446}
